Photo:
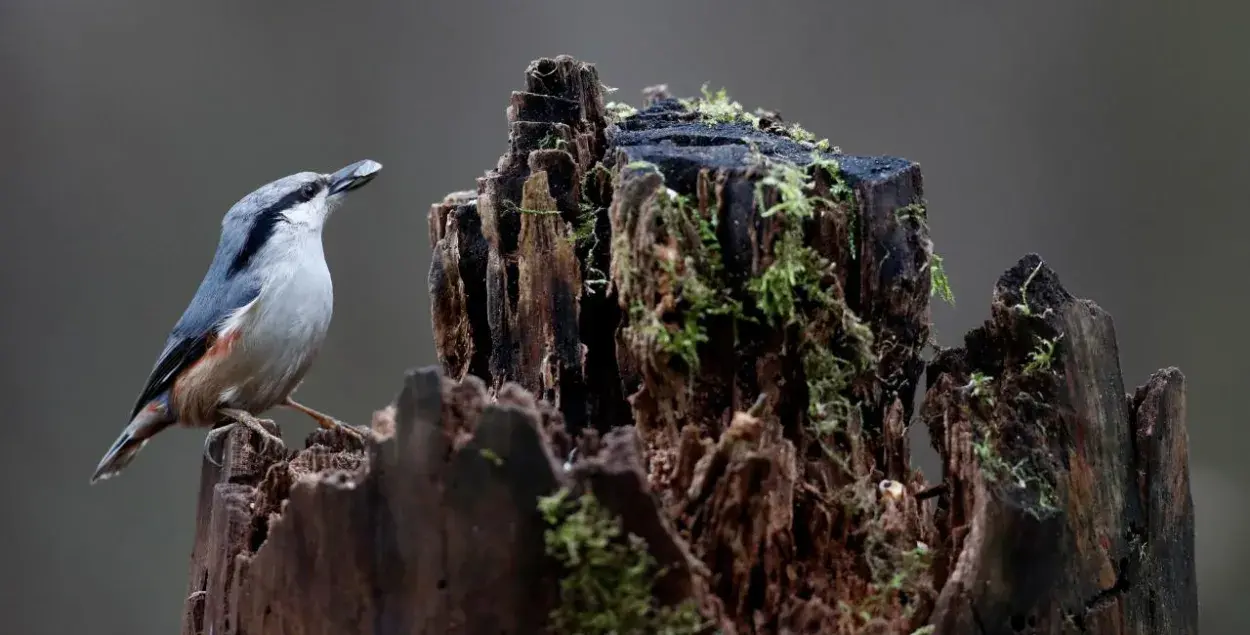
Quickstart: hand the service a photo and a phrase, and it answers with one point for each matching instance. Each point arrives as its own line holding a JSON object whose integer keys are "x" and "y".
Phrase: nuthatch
{"x": 257, "y": 321}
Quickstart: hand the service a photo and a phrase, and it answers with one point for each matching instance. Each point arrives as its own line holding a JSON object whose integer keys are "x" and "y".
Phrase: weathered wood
{"x": 434, "y": 530}
{"x": 721, "y": 324}
{"x": 1058, "y": 480}
{"x": 787, "y": 517}
{"x": 649, "y": 258}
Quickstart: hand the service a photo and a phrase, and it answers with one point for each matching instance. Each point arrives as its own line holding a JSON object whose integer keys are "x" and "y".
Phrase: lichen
{"x": 608, "y": 580}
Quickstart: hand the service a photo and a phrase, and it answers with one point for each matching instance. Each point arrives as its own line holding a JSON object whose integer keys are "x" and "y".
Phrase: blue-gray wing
{"x": 195, "y": 331}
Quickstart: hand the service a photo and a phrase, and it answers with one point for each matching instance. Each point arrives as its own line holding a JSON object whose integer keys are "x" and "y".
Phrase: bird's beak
{"x": 354, "y": 176}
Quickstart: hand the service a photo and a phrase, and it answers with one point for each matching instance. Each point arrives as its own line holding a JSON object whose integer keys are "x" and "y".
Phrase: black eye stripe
{"x": 263, "y": 226}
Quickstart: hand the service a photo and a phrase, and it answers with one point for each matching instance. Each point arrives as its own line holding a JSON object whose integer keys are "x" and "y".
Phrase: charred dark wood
{"x": 720, "y": 324}
{"x": 1067, "y": 497}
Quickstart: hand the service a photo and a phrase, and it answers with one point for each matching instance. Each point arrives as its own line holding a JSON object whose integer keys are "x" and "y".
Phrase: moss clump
{"x": 619, "y": 111}
{"x": 607, "y": 587}
{"x": 584, "y": 229}
{"x": 689, "y": 274}
{"x": 717, "y": 108}
{"x": 798, "y": 289}
{"x": 1042, "y": 356}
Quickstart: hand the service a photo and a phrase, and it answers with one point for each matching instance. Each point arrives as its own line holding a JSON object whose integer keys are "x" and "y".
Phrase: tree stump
{"x": 679, "y": 351}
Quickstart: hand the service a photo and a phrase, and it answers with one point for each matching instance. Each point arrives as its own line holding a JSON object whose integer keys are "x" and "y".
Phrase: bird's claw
{"x": 357, "y": 433}
{"x": 266, "y": 430}
{"x": 212, "y": 444}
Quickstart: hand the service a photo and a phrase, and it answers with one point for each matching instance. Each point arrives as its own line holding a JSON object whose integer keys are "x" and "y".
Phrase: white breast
{"x": 282, "y": 331}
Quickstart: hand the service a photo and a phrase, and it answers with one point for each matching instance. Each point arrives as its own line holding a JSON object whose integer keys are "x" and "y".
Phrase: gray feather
{"x": 222, "y": 291}
{"x": 269, "y": 281}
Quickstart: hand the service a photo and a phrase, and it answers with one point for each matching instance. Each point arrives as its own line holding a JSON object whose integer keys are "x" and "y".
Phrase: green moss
{"x": 509, "y": 206}
{"x": 1042, "y": 356}
{"x": 1020, "y": 475}
{"x": 553, "y": 141}
{"x": 584, "y": 229}
{"x": 796, "y": 269}
{"x": 618, "y": 111}
{"x": 979, "y": 387}
{"x": 694, "y": 279}
{"x": 717, "y": 108}
{"x": 584, "y": 235}
{"x": 796, "y": 290}
{"x": 1023, "y": 307}
{"x": 939, "y": 283}
{"x": 609, "y": 578}
{"x": 643, "y": 165}
{"x": 1014, "y": 467}
{"x": 491, "y": 456}
{"x": 897, "y": 570}
{"x": 828, "y": 384}
{"x": 799, "y": 133}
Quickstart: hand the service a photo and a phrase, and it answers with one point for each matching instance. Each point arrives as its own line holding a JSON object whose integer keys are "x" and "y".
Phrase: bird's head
{"x": 289, "y": 209}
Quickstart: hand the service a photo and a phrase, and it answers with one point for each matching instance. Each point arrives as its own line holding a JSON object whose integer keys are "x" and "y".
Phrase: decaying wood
{"x": 406, "y": 538}
{"x": 616, "y": 268}
{"x": 1055, "y": 522}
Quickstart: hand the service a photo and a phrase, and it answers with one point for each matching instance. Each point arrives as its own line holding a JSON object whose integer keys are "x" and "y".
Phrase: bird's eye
{"x": 309, "y": 190}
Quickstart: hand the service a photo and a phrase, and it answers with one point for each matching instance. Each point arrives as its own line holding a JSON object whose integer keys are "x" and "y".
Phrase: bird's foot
{"x": 266, "y": 430}
{"x": 325, "y": 421}
{"x": 357, "y": 434}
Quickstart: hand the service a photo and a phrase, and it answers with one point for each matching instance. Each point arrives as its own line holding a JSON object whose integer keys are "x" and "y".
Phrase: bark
{"x": 721, "y": 326}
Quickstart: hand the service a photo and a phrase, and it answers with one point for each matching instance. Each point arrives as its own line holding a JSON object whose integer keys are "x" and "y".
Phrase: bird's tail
{"x": 146, "y": 423}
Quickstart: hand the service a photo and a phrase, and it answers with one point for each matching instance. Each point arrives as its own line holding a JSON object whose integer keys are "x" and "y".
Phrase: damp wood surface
{"x": 680, "y": 346}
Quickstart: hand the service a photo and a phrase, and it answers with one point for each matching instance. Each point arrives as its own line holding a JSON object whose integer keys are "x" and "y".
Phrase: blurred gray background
{"x": 1109, "y": 137}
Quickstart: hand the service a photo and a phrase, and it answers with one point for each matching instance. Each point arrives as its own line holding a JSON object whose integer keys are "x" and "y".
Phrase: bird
{"x": 255, "y": 324}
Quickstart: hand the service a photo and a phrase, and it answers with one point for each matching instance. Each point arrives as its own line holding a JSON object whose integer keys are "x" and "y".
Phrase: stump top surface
{"x": 667, "y": 134}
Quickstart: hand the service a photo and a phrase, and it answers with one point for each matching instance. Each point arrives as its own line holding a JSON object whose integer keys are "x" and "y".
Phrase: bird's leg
{"x": 324, "y": 420}
{"x": 215, "y": 436}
